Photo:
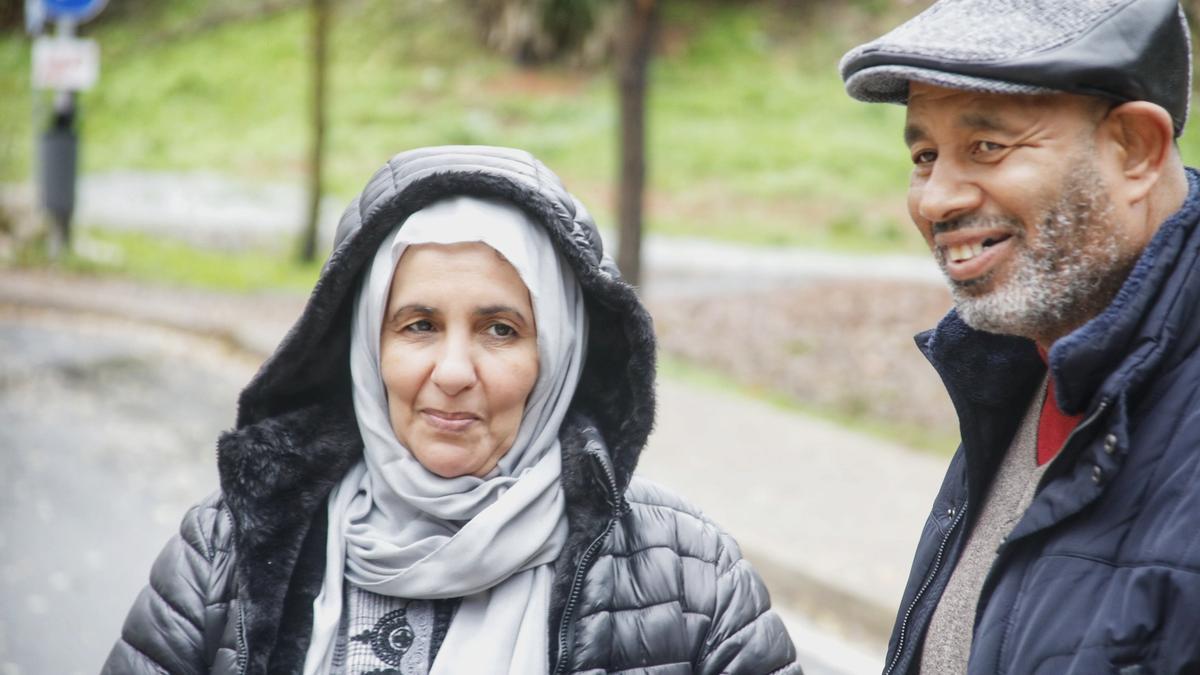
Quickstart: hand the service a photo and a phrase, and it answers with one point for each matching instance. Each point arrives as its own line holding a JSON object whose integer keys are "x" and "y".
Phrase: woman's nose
{"x": 455, "y": 367}
{"x": 947, "y": 193}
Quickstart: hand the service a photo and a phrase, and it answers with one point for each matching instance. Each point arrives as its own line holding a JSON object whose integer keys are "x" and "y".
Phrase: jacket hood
{"x": 296, "y": 434}
{"x": 309, "y": 370}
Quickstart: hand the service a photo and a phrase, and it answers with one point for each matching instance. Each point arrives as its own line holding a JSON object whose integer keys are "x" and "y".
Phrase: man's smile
{"x": 970, "y": 253}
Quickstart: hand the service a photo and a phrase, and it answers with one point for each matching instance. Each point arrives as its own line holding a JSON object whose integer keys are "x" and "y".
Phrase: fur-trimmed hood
{"x": 308, "y": 376}
{"x": 310, "y": 366}
{"x": 644, "y": 581}
{"x": 296, "y": 434}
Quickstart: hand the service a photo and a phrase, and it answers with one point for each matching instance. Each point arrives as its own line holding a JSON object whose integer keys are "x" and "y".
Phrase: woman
{"x": 432, "y": 474}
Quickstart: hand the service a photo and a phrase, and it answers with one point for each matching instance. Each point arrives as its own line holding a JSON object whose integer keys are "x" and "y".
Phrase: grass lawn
{"x": 751, "y": 138}
{"x": 166, "y": 261}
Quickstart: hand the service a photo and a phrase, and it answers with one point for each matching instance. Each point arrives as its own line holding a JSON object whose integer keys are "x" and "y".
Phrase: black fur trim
{"x": 617, "y": 385}
{"x": 297, "y": 618}
{"x": 276, "y": 475}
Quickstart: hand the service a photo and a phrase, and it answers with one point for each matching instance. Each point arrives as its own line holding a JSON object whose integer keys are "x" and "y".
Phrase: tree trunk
{"x": 316, "y": 162}
{"x": 635, "y": 49}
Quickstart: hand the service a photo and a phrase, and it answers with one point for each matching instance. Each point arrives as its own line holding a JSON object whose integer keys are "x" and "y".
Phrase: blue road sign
{"x": 79, "y": 10}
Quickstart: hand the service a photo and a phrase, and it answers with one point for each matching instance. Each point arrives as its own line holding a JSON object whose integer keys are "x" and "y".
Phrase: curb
{"x": 850, "y": 616}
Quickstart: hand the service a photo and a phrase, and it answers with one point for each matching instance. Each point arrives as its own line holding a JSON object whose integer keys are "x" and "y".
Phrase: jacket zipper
{"x": 581, "y": 569}
{"x": 941, "y": 549}
{"x": 242, "y": 657}
{"x": 937, "y": 564}
{"x": 573, "y": 596}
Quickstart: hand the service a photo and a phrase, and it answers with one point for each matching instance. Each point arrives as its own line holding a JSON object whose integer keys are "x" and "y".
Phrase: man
{"x": 1047, "y": 182}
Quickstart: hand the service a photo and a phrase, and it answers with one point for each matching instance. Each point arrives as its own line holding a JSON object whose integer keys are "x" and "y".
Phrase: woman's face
{"x": 458, "y": 352}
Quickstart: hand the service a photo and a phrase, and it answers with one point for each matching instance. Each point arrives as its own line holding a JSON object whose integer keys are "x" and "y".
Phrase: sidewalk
{"x": 212, "y": 209}
{"x": 829, "y": 517}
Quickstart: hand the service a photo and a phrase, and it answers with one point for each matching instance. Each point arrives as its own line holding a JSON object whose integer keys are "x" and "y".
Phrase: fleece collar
{"x": 991, "y": 377}
{"x": 1122, "y": 346}
{"x": 1114, "y": 350}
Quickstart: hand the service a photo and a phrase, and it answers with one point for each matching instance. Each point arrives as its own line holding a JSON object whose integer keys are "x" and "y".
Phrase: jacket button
{"x": 950, "y": 512}
{"x": 1110, "y": 443}
{"x": 1097, "y": 474}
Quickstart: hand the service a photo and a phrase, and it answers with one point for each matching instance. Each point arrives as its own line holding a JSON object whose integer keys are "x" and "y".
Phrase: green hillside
{"x": 751, "y": 136}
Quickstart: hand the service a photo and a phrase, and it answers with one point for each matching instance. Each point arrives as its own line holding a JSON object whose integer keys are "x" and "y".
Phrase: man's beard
{"x": 1059, "y": 276}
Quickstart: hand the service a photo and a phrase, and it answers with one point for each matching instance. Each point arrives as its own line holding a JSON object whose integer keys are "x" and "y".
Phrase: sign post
{"x": 65, "y": 65}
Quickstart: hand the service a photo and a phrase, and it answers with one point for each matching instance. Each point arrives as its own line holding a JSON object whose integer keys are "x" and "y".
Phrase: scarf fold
{"x": 398, "y": 529}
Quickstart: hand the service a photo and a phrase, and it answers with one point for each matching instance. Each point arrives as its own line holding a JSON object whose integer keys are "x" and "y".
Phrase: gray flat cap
{"x": 1124, "y": 50}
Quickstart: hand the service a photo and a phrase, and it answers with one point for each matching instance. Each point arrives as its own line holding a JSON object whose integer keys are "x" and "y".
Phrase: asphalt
{"x": 828, "y": 516}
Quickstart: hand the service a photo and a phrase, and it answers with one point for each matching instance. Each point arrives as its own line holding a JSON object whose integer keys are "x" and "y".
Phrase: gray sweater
{"x": 948, "y": 642}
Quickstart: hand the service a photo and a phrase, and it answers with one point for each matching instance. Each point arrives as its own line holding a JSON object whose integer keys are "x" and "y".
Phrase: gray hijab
{"x": 397, "y": 529}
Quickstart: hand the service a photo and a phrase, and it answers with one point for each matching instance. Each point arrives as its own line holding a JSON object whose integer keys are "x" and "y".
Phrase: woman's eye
{"x": 421, "y": 326}
{"x": 501, "y": 330}
{"x": 988, "y": 146}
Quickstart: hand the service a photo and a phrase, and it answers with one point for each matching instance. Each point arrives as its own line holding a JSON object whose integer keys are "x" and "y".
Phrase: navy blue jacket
{"x": 1102, "y": 573}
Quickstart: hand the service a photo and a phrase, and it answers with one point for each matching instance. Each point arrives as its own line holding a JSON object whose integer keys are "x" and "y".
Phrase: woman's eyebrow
{"x": 492, "y": 310}
{"x": 413, "y": 308}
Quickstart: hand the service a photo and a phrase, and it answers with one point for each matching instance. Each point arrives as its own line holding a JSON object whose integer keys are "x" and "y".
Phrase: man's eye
{"x": 988, "y": 146}
{"x": 924, "y": 157}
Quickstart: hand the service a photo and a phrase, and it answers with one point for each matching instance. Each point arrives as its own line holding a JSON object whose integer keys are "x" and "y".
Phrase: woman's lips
{"x": 967, "y": 257}
{"x": 451, "y": 422}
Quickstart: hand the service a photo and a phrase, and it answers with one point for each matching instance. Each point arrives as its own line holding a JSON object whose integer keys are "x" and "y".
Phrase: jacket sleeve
{"x": 746, "y": 636}
{"x": 165, "y": 630}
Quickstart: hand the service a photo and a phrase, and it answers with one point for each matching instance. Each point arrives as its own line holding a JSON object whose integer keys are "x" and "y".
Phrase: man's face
{"x": 1008, "y": 193}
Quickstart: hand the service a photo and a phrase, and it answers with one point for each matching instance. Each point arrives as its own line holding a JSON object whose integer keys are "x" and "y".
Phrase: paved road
{"x": 108, "y": 430}
{"x": 108, "y": 437}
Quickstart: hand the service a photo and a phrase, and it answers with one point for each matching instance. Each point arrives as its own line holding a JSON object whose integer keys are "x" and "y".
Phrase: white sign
{"x": 65, "y": 63}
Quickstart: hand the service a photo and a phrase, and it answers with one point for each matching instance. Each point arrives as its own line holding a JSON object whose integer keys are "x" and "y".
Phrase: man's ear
{"x": 1144, "y": 140}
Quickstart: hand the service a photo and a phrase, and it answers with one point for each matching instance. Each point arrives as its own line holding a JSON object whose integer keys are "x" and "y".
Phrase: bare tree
{"x": 316, "y": 161}
{"x": 536, "y": 31}
{"x": 634, "y": 51}
{"x": 533, "y": 32}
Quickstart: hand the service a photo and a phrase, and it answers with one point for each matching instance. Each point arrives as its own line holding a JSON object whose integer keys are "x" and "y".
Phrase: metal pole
{"x": 58, "y": 163}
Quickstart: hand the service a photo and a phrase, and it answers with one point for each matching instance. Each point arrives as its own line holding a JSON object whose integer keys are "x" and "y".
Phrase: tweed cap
{"x": 1124, "y": 50}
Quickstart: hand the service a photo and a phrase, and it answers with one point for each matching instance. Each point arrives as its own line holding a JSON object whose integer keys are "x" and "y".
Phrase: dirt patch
{"x": 538, "y": 82}
{"x": 837, "y": 346}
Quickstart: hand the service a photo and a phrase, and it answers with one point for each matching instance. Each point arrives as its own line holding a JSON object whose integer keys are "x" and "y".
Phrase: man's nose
{"x": 947, "y": 193}
{"x": 454, "y": 371}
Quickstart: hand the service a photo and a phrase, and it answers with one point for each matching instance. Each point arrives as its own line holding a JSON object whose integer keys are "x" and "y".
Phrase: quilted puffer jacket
{"x": 1102, "y": 572}
{"x": 645, "y": 583}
